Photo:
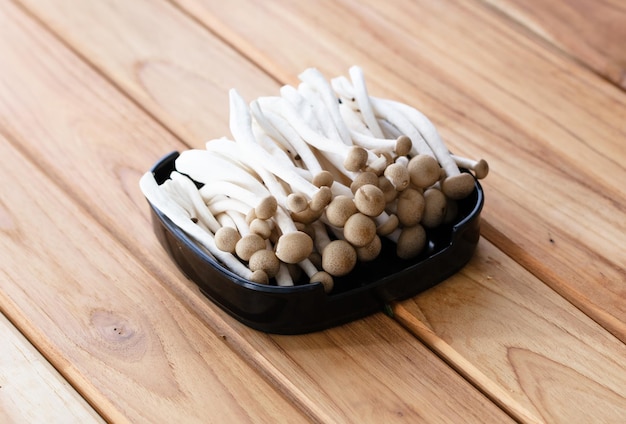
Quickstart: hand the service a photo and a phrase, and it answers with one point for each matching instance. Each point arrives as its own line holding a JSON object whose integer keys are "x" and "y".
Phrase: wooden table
{"x": 100, "y": 325}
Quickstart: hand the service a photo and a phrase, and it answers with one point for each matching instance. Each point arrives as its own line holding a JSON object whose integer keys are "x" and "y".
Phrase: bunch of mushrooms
{"x": 312, "y": 180}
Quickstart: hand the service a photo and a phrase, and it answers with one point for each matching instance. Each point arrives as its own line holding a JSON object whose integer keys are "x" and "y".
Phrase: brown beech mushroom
{"x": 424, "y": 170}
{"x": 435, "y": 204}
{"x": 370, "y": 200}
{"x": 398, "y": 175}
{"x": 316, "y": 276}
{"x": 338, "y": 258}
{"x": 265, "y": 260}
{"x": 480, "y": 167}
{"x": 370, "y": 251}
{"x": 339, "y": 210}
{"x": 410, "y": 208}
{"x": 410, "y": 241}
{"x": 359, "y": 229}
{"x": 226, "y": 239}
{"x": 248, "y": 245}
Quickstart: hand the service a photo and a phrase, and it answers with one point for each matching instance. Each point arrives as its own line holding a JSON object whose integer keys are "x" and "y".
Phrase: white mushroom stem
{"x": 283, "y": 277}
{"x": 315, "y": 79}
{"x": 332, "y": 149}
{"x": 233, "y": 150}
{"x": 354, "y": 121}
{"x": 190, "y": 190}
{"x": 161, "y": 201}
{"x": 322, "y": 115}
{"x": 363, "y": 100}
{"x": 260, "y": 159}
{"x": 297, "y": 145}
{"x": 207, "y": 166}
{"x": 302, "y": 106}
{"x": 389, "y": 130}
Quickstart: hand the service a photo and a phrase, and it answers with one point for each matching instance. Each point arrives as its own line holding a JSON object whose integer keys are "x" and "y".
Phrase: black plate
{"x": 305, "y": 307}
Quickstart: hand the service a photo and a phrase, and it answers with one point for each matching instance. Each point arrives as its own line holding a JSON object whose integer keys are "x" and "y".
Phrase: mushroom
{"x": 316, "y": 276}
{"x": 370, "y": 251}
{"x": 398, "y": 175}
{"x": 424, "y": 170}
{"x": 359, "y": 229}
{"x": 338, "y": 256}
{"x": 435, "y": 203}
{"x": 410, "y": 208}
{"x": 370, "y": 200}
{"x": 480, "y": 166}
{"x": 410, "y": 241}
{"x": 266, "y": 261}
{"x": 339, "y": 210}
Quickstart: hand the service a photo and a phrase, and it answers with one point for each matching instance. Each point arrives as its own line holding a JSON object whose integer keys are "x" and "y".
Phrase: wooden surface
{"x": 103, "y": 326}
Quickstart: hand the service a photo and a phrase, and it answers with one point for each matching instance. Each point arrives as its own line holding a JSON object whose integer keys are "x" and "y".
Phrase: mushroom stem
{"x": 363, "y": 100}
{"x": 316, "y": 80}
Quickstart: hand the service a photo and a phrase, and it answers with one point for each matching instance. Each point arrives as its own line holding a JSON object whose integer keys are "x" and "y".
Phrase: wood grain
{"x": 132, "y": 321}
{"x": 552, "y": 360}
{"x": 31, "y": 390}
{"x": 590, "y": 31}
{"x": 550, "y": 130}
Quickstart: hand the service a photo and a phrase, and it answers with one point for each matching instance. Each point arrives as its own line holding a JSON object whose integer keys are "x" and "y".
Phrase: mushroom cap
{"x": 297, "y": 202}
{"x": 370, "y": 200}
{"x": 388, "y": 226}
{"x": 411, "y": 242}
{"x": 356, "y": 159}
{"x": 359, "y": 229}
{"x": 294, "y": 247}
{"x": 435, "y": 204}
{"x": 307, "y": 216}
{"x": 410, "y": 207}
{"x": 321, "y": 198}
{"x": 249, "y": 244}
{"x": 226, "y": 239}
{"x": 338, "y": 258}
{"x": 261, "y": 227}
{"x": 370, "y": 251}
{"x": 259, "y": 277}
{"x": 481, "y": 169}
{"x": 403, "y": 145}
{"x": 266, "y": 207}
{"x": 398, "y": 175}
{"x": 323, "y": 179}
{"x": 325, "y": 279}
{"x": 424, "y": 170}
{"x": 265, "y": 260}
{"x": 458, "y": 186}
{"x": 339, "y": 210}
{"x": 365, "y": 177}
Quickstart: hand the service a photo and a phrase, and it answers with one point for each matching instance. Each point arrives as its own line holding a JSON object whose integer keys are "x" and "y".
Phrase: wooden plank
{"x": 325, "y": 375}
{"x": 123, "y": 341}
{"x": 550, "y": 130}
{"x": 590, "y": 31}
{"x": 31, "y": 390}
{"x": 523, "y": 402}
{"x": 551, "y": 359}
